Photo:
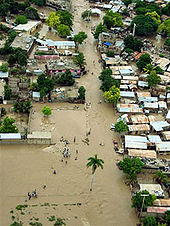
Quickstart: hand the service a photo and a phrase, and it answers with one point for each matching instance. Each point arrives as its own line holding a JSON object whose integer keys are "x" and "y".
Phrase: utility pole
{"x": 134, "y": 28}
{"x": 143, "y": 203}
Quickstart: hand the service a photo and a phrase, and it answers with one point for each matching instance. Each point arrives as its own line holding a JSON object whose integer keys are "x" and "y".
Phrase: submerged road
{"x": 110, "y": 191}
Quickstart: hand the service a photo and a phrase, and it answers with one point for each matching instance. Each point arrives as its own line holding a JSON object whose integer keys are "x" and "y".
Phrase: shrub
{"x": 121, "y": 127}
{"x": 46, "y": 111}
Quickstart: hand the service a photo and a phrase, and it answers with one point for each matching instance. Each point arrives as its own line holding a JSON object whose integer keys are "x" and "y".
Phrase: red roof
{"x": 137, "y": 57}
{"x": 151, "y": 209}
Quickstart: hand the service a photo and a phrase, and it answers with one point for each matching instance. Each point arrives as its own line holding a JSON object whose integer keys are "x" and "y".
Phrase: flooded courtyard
{"x": 24, "y": 168}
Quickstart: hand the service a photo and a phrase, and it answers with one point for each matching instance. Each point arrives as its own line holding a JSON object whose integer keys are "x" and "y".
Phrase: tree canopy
{"x": 112, "y": 19}
{"x": 21, "y": 19}
{"x": 149, "y": 221}
{"x": 137, "y": 200}
{"x": 143, "y": 60}
{"x": 153, "y": 79}
{"x": 63, "y": 30}
{"x": 23, "y": 106}
{"x": 121, "y": 127}
{"x": 80, "y": 37}
{"x": 143, "y": 7}
{"x": 46, "y": 111}
{"x": 99, "y": 29}
{"x": 131, "y": 167}
{"x": 32, "y": 13}
{"x": 8, "y": 126}
{"x": 133, "y": 43}
{"x": 45, "y": 85}
{"x": 94, "y": 162}
{"x": 164, "y": 27}
{"x": 113, "y": 95}
{"x": 53, "y": 20}
{"x": 82, "y": 92}
{"x": 66, "y": 79}
{"x": 79, "y": 60}
{"x": 145, "y": 25}
{"x": 7, "y": 92}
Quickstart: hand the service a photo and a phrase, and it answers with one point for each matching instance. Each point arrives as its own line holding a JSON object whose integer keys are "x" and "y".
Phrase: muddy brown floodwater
{"x": 24, "y": 168}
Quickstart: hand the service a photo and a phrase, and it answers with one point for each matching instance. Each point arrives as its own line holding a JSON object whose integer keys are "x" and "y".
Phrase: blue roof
{"x": 107, "y": 43}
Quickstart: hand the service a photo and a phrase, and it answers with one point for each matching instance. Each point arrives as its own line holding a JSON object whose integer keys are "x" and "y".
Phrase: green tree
{"x": 66, "y": 18}
{"x": 63, "y": 30}
{"x": 12, "y": 59}
{"x": 110, "y": 53}
{"x": 86, "y": 14}
{"x": 149, "y": 221}
{"x": 53, "y": 20}
{"x": 21, "y": 19}
{"x": 8, "y": 126}
{"x": 121, "y": 127}
{"x": 80, "y": 37}
{"x": 23, "y": 106}
{"x": 112, "y": 19}
{"x": 153, "y": 79}
{"x": 82, "y": 92}
{"x": 138, "y": 200}
{"x": 108, "y": 82}
{"x": 105, "y": 73}
{"x": 145, "y": 25}
{"x": 45, "y": 85}
{"x": 167, "y": 217}
{"x": 95, "y": 163}
{"x": 155, "y": 16}
{"x": 46, "y": 111}
{"x": 143, "y": 7}
{"x": 4, "y": 67}
{"x": 164, "y": 27}
{"x": 39, "y": 2}
{"x": 4, "y": 9}
{"x": 143, "y": 60}
{"x": 127, "y": 2}
{"x": 59, "y": 222}
{"x": 133, "y": 43}
{"x": 167, "y": 42}
{"x": 161, "y": 177}
{"x": 113, "y": 95}
{"x": 99, "y": 29}
{"x": 79, "y": 60}
{"x": 166, "y": 10}
{"x": 7, "y": 92}
{"x": 22, "y": 59}
{"x": 66, "y": 79}
{"x": 131, "y": 167}
{"x": 32, "y": 13}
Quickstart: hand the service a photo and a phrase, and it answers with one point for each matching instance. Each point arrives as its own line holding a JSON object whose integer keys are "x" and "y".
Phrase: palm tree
{"x": 94, "y": 162}
{"x": 148, "y": 68}
{"x": 161, "y": 177}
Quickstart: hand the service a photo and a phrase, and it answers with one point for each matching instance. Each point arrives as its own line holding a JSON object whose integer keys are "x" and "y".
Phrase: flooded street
{"x": 24, "y": 168}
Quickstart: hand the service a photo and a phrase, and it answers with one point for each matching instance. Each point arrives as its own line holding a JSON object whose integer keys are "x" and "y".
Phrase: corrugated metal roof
{"x": 162, "y": 104}
{"x": 127, "y": 94}
{"x": 148, "y": 99}
{"x": 139, "y": 119}
{"x": 159, "y": 125}
{"x": 162, "y": 202}
{"x": 10, "y": 136}
{"x": 135, "y": 145}
{"x": 140, "y": 139}
{"x": 142, "y": 84}
{"x": 154, "y": 189}
{"x": 151, "y": 105}
{"x": 168, "y": 115}
{"x": 166, "y": 135}
{"x": 139, "y": 127}
{"x": 154, "y": 138}
{"x": 151, "y": 154}
{"x": 164, "y": 146}
{"x": 4, "y": 74}
{"x": 151, "y": 209}
{"x": 36, "y": 94}
{"x": 143, "y": 94}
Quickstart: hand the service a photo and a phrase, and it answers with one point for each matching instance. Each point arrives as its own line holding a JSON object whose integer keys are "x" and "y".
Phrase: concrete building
{"x": 29, "y": 27}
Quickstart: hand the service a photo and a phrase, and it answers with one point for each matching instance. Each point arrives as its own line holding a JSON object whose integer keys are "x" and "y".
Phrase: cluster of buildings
{"x": 145, "y": 110}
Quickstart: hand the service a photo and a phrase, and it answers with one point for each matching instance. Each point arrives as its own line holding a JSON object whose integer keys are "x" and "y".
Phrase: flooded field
{"x": 25, "y": 168}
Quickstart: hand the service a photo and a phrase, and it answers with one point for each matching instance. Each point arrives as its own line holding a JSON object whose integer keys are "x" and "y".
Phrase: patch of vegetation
{"x": 45, "y": 204}
{"x": 52, "y": 218}
{"x": 22, "y": 213}
{"x": 21, "y": 207}
{"x": 59, "y": 222}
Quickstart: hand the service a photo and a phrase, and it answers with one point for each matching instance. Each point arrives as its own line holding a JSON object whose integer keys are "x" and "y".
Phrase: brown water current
{"x": 27, "y": 167}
